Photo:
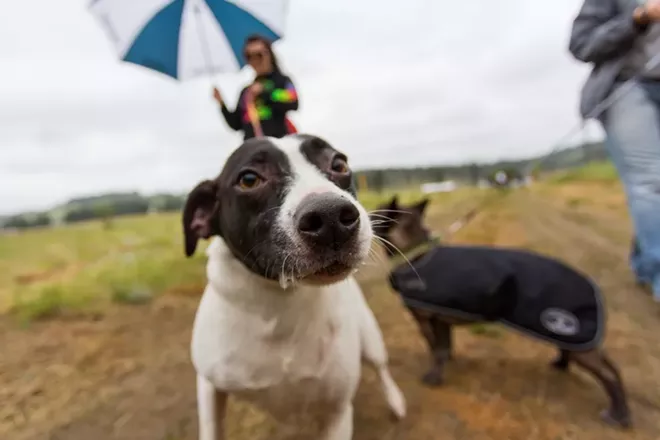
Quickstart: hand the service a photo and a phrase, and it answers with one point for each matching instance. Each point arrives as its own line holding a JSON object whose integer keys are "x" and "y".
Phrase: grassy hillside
{"x": 46, "y": 271}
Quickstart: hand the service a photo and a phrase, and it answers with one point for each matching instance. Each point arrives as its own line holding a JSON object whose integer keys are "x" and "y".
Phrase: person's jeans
{"x": 632, "y": 125}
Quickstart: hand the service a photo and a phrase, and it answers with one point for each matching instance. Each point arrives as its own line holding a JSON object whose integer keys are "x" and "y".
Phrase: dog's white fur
{"x": 294, "y": 352}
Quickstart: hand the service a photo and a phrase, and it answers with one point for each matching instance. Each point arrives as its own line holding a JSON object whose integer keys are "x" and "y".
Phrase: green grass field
{"x": 53, "y": 271}
{"x": 599, "y": 172}
{"x": 49, "y": 271}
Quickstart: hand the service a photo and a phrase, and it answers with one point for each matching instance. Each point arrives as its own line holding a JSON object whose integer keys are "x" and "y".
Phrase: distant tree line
{"x": 103, "y": 206}
{"x": 24, "y": 221}
{"x": 472, "y": 173}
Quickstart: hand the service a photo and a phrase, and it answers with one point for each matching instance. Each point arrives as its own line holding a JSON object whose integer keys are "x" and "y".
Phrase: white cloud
{"x": 389, "y": 82}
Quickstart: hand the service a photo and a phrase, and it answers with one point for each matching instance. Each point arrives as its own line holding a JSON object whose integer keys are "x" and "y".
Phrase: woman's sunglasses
{"x": 256, "y": 56}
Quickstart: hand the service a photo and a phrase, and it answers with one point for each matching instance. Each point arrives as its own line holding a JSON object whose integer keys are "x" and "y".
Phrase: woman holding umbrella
{"x": 160, "y": 36}
{"x": 262, "y": 106}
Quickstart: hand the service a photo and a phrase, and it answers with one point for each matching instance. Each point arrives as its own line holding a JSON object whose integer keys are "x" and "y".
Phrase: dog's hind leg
{"x": 444, "y": 340}
{"x": 596, "y": 363}
{"x": 211, "y": 406}
{"x": 374, "y": 353}
{"x": 562, "y": 361}
{"x": 437, "y": 334}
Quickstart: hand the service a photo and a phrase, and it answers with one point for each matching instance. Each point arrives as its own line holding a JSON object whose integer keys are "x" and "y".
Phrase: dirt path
{"x": 126, "y": 374}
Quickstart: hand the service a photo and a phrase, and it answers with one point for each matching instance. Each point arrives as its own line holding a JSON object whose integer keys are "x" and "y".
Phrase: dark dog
{"x": 444, "y": 286}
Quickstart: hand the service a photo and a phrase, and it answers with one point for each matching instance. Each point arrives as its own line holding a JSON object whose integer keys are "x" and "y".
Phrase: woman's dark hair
{"x": 269, "y": 47}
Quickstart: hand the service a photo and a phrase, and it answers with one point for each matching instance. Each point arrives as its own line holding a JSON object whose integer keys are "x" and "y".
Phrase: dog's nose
{"x": 327, "y": 219}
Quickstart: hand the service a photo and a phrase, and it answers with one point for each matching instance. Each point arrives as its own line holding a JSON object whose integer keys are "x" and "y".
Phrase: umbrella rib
{"x": 206, "y": 49}
{"x": 234, "y": 21}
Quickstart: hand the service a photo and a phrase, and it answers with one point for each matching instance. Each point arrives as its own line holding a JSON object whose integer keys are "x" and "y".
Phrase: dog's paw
{"x": 397, "y": 405}
{"x": 396, "y": 402}
{"x": 433, "y": 378}
{"x": 619, "y": 420}
{"x": 393, "y": 395}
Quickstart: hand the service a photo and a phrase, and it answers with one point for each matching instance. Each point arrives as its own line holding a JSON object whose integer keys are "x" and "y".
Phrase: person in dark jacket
{"x": 621, "y": 39}
{"x": 262, "y": 106}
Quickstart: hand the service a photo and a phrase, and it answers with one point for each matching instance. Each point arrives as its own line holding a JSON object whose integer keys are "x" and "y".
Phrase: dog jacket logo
{"x": 560, "y": 322}
{"x": 414, "y": 284}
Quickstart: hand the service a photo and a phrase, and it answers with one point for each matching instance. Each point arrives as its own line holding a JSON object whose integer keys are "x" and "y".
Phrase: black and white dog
{"x": 282, "y": 322}
{"x": 448, "y": 285}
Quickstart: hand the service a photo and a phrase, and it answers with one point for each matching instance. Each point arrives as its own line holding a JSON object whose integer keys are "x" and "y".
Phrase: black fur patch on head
{"x": 332, "y": 163}
{"x": 244, "y": 217}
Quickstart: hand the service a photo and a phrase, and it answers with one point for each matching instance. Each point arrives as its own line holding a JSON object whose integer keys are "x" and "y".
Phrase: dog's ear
{"x": 421, "y": 206}
{"x": 393, "y": 206}
{"x": 200, "y": 215}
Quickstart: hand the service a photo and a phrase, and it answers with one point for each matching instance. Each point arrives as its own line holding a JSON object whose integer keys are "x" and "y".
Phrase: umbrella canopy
{"x": 188, "y": 38}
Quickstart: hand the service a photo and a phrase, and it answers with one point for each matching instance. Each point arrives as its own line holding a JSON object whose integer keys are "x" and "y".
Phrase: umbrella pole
{"x": 206, "y": 50}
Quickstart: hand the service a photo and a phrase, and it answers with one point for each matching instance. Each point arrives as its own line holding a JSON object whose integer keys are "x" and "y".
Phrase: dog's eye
{"x": 248, "y": 180}
{"x": 339, "y": 165}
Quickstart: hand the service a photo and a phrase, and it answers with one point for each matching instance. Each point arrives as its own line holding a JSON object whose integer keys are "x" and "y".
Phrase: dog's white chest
{"x": 287, "y": 354}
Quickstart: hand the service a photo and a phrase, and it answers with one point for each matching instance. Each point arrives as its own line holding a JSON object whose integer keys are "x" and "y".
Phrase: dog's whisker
{"x": 375, "y": 260}
{"x": 250, "y": 251}
{"x": 376, "y": 256}
{"x": 284, "y": 280}
{"x": 381, "y": 262}
{"x": 294, "y": 269}
{"x": 371, "y": 257}
{"x": 400, "y": 253}
{"x": 380, "y": 258}
{"x": 396, "y": 211}
{"x": 381, "y": 222}
{"x": 383, "y": 218}
{"x": 268, "y": 268}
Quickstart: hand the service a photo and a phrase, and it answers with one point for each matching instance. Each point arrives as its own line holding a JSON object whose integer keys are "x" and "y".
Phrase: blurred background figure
{"x": 262, "y": 106}
{"x": 621, "y": 39}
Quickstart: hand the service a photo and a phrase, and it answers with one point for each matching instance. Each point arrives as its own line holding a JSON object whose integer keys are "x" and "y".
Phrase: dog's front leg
{"x": 441, "y": 350}
{"x": 437, "y": 334}
{"x": 211, "y": 407}
{"x": 375, "y": 353}
{"x": 341, "y": 426}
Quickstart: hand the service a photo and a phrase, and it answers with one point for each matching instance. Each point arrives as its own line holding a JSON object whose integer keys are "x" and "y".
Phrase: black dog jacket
{"x": 525, "y": 291}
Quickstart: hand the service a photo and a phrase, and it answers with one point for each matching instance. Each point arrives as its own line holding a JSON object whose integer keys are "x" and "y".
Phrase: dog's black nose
{"x": 327, "y": 219}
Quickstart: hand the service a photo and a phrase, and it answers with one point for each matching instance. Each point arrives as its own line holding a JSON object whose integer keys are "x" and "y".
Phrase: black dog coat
{"x": 525, "y": 291}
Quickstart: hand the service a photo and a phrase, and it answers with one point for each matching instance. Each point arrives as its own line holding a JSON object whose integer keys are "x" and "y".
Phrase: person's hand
{"x": 256, "y": 89}
{"x": 217, "y": 96}
{"x": 653, "y": 9}
{"x": 648, "y": 13}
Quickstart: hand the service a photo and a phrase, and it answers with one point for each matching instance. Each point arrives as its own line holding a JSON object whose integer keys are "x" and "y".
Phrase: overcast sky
{"x": 388, "y": 82}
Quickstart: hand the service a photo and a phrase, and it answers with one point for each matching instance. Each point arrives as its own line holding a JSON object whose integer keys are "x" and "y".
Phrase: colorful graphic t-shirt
{"x": 270, "y": 107}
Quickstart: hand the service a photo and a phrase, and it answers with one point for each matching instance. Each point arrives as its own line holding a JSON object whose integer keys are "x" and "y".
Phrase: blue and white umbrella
{"x": 188, "y": 38}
